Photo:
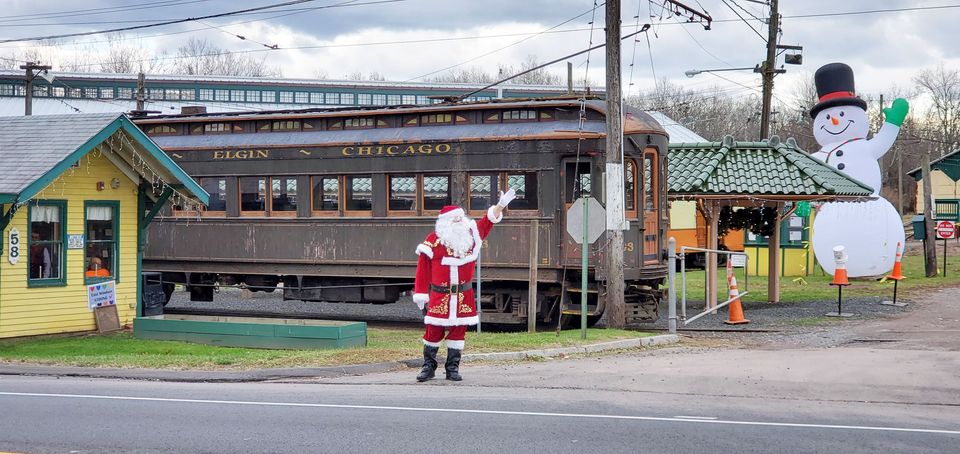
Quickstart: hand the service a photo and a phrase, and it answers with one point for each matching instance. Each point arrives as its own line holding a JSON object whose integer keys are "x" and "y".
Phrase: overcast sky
{"x": 884, "y": 49}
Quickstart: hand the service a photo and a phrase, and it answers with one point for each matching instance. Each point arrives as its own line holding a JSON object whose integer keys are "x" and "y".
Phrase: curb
{"x": 661, "y": 339}
{"x": 257, "y": 375}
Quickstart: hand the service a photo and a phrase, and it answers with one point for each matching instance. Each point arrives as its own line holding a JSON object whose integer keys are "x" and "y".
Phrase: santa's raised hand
{"x": 506, "y": 198}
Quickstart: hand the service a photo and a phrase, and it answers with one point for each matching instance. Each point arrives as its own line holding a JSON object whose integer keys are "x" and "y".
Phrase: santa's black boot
{"x": 453, "y": 364}
{"x": 429, "y": 363}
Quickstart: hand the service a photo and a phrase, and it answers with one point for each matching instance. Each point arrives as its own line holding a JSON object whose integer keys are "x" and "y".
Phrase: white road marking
{"x": 492, "y": 412}
{"x": 696, "y": 417}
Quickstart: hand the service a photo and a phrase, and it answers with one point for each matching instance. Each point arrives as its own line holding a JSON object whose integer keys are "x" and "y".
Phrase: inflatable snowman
{"x": 869, "y": 230}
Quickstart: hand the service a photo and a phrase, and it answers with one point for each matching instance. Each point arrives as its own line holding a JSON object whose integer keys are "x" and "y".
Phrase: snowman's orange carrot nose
{"x": 835, "y": 121}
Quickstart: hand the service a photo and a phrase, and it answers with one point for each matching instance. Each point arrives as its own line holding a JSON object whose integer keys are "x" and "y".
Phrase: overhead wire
{"x": 104, "y": 10}
{"x": 529, "y": 37}
{"x": 172, "y": 22}
{"x": 744, "y": 20}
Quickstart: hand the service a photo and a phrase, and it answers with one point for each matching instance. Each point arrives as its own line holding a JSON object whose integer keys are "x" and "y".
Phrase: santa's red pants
{"x": 456, "y": 336}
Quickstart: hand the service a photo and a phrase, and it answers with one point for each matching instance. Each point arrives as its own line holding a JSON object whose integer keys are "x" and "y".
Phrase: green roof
{"x": 948, "y": 164}
{"x": 754, "y": 168}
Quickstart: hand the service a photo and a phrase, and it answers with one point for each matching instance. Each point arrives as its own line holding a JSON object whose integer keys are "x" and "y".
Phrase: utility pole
{"x": 615, "y": 305}
{"x": 769, "y": 68}
{"x": 930, "y": 243}
{"x": 141, "y": 96}
{"x": 30, "y": 67}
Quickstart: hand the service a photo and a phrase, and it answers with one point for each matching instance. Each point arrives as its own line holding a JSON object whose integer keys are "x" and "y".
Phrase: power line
{"x": 179, "y": 21}
{"x": 104, "y": 10}
{"x": 505, "y": 47}
{"x": 744, "y": 20}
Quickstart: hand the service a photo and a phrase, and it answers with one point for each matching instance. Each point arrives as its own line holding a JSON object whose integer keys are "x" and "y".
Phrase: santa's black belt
{"x": 451, "y": 289}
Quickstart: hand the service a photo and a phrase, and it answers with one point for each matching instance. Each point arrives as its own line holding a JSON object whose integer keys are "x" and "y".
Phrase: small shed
{"x": 770, "y": 173}
{"x": 76, "y": 193}
{"x": 945, "y": 184}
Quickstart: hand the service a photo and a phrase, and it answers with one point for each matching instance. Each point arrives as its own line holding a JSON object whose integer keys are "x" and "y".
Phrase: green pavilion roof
{"x": 768, "y": 168}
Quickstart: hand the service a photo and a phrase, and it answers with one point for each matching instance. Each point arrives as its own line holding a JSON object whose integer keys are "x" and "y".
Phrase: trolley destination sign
{"x": 349, "y": 151}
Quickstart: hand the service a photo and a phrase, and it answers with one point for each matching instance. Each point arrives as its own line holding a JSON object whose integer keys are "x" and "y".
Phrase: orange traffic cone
{"x": 736, "y": 309}
{"x": 897, "y": 273}
{"x": 840, "y": 274}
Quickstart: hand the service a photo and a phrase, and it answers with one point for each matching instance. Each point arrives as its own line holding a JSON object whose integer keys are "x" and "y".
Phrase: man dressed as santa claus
{"x": 444, "y": 282}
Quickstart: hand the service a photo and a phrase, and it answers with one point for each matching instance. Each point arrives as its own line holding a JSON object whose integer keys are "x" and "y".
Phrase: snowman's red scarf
{"x": 830, "y": 153}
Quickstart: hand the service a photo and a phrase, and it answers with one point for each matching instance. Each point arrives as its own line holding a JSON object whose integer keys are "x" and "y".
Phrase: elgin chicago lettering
{"x": 396, "y": 150}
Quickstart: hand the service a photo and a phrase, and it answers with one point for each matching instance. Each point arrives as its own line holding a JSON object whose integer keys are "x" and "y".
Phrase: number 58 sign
{"x": 14, "y": 240}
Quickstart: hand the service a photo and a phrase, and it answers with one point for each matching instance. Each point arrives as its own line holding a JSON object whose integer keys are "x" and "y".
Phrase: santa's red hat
{"x": 451, "y": 211}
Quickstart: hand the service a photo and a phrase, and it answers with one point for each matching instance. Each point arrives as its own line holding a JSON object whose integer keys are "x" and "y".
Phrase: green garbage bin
{"x": 919, "y": 228}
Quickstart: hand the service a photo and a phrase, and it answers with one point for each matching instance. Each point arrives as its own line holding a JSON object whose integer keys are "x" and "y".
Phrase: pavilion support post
{"x": 773, "y": 273}
{"x": 713, "y": 242}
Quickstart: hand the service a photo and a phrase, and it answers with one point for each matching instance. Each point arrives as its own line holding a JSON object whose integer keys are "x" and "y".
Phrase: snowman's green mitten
{"x": 896, "y": 112}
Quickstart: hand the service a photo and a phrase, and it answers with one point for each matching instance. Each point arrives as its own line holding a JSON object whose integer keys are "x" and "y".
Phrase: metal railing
{"x": 708, "y": 276}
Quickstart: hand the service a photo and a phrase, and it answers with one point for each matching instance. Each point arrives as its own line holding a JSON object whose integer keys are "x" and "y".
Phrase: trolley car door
{"x": 576, "y": 181}
{"x": 650, "y": 202}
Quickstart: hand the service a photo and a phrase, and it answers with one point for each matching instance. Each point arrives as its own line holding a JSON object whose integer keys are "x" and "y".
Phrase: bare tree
{"x": 538, "y": 76}
{"x": 358, "y": 75}
{"x": 200, "y": 57}
{"x": 120, "y": 58}
{"x": 943, "y": 87}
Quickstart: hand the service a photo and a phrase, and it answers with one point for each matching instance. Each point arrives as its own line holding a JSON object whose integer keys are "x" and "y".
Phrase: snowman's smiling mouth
{"x": 824, "y": 127}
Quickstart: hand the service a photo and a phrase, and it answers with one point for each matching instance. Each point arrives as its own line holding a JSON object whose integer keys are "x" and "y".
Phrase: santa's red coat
{"x": 438, "y": 266}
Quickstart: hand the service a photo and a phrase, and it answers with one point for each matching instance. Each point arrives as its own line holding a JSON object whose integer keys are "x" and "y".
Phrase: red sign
{"x": 946, "y": 230}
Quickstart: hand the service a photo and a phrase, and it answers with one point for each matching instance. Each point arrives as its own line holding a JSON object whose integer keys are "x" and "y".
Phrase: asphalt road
{"x": 81, "y": 415}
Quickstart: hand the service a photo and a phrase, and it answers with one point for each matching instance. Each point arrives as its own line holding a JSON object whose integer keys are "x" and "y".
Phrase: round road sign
{"x": 946, "y": 230}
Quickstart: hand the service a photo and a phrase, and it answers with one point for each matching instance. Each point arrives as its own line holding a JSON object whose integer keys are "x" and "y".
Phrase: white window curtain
{"x": 42, "y": 213}
{"x": 99, "y": 213}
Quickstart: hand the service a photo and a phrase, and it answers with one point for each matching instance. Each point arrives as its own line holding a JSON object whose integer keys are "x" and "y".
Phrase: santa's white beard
{"x": 456, "y": 235}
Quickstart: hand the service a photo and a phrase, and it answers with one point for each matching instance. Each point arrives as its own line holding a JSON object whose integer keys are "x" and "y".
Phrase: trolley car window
{"x": 519, "y": 115}
{"x": 359, "y": 193}
{"x": 577, "y": 180}
{"x": 649, "y": 201}
{"x": 630, "y": 186}
{"x": 525, "y": 184}
{"x": 403, "y": 193}
{"x": 253, "y": 194}
{"x": 482, "y": 189}
{"x": 216, "y": 128}
{"x": 100, "y": 259}
{"x": 436, "y": 119}
{"x": 289, "y": 125}
{"x": 436, "y": 192}
{"x": 326, "y": 194}
{"x": 283, "y": 195}
{"x": 217, "y": 188}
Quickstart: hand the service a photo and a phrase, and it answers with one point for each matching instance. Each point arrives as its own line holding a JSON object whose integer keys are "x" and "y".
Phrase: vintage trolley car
{"x": 332, "y": 203}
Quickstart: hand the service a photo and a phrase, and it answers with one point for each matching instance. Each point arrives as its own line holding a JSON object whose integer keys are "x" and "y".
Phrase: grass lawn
{"x": 123, "y": 350}
{"x": 816, "y": 287}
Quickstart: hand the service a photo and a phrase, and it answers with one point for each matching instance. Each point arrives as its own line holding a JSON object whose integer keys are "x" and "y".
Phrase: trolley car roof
{"x": 635, "y": 122}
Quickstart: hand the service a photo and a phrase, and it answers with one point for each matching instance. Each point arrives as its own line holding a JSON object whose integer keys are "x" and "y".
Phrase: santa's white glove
{"x": 421, "y": 299}
{"x": 506, "y": 198}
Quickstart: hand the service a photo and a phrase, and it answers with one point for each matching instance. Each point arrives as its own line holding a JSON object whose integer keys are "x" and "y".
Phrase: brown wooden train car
{"x": 330, "y": 204}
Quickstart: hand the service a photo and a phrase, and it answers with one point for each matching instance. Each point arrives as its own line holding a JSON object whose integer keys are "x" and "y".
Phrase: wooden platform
{"x": 252, "y": 332}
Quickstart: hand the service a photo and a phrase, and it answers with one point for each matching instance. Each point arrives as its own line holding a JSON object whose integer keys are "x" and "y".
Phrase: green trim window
{"x": 45, "y": 237}
{"x": 101, "y": 220}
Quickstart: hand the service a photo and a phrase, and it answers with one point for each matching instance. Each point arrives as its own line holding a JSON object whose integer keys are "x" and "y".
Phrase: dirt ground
{"x": 930, "y": 322}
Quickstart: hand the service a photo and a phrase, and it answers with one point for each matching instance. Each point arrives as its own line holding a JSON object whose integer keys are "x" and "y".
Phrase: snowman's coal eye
{"x": 828, "y": 116}
{"x": 841, "y": 113}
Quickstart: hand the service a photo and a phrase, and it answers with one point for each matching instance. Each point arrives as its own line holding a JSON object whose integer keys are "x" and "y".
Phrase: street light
{"x": 694, "y": 72}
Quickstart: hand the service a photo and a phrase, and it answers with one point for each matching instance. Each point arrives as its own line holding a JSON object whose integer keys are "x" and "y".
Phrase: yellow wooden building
{"x": 76, "y": 192}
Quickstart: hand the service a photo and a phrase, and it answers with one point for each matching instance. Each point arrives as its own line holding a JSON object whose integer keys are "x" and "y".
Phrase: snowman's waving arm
{"x": 887, "y": 135}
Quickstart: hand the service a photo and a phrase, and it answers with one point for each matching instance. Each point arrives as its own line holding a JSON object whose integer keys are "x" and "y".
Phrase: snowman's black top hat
{"x": 835, "y": 88}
